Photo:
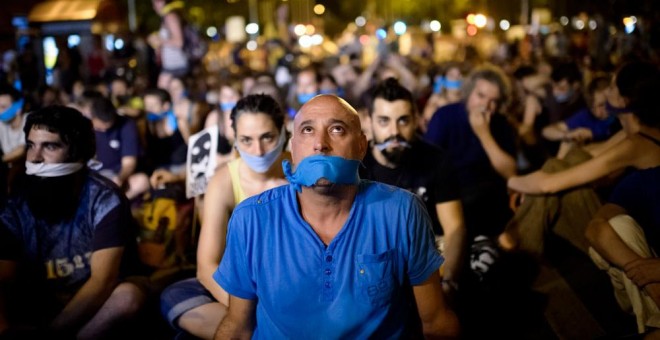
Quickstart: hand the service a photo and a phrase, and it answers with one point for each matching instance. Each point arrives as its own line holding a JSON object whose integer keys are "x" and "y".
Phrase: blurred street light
{"x": 319, "y": 9}
{"x": 400, "y": 28}
{"x": 435, "y": 25}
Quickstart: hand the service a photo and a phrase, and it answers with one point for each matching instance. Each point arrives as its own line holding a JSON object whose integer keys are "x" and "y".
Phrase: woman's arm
{"x": 615, "y": 158}
{"x": 218, "y": 203}
{"x": 173, "y": 24}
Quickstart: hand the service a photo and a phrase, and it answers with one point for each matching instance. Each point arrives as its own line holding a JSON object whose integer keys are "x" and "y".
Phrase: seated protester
{"x": 65, "y": 239}
{"x": 588, "y": 125}
{"x": 555, "y": 102}
{"x": 330, "y": 255}
{"x": 198, "y": 305}
{"x": 481, "y": 145}
{"x": 625, "y": 239}
{"x": 12, "y": 137}
{"x": 166, "y": 148}
{"x": 305, "y": 88}
{"x": 117, "y": 147}
{"x": 530, "y": 87}
{"x": 126, "y": 103}
{"x": 559, "y": 198}
{"x": 188, "y": 112}
{"x": 446, "y": 90}
{"x": 228, "y": 95}
{"x": 399, "y": 157}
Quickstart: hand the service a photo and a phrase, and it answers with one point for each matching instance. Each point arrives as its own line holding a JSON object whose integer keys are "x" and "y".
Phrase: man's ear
{"x": 364, "y": 145}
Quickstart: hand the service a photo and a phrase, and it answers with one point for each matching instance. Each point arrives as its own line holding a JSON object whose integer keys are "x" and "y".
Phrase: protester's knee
{"x": 593, "y": 232}
{"x": 127, "y": 299}
{"x": 139, "y": 183}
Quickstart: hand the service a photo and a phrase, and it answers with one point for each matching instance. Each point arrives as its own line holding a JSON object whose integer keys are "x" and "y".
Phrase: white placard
{"x": 201, "y": 160}
{"x": 235, "y": 29}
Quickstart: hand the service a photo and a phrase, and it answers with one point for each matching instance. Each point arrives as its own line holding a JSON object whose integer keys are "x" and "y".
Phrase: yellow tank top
{"x": 239, "y": 194}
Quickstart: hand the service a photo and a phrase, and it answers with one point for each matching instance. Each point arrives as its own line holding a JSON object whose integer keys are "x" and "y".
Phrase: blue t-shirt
{"x": 600, "y": 129}
{"x": 357, "y": 287}
{"x": 639, "y": 194}
{"x": 121, "y": 140}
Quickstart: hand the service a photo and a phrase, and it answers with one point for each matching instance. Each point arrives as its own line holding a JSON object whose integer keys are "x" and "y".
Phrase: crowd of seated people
{"x": 499, "y": 155}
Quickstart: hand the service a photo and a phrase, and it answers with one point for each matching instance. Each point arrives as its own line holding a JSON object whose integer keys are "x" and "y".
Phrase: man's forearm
{"x": 453, "y": 253}
{"x": 230, "y": 328}
{"x": 87, "y": 301}
{"x": 128, "y": 164}
{"x": 503, "y": 163}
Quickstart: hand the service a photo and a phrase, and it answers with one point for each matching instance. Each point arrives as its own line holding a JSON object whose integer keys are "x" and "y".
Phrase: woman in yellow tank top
{"x": 198, "y": 305}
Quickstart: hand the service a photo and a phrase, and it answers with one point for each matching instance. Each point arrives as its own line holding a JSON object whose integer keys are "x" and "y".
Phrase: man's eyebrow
{"x": 338, "y": 121}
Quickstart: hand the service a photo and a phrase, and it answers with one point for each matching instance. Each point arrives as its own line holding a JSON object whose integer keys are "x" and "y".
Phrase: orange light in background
{"x": 309, "y": 29}
{"x": 364, "y": 39}
{"x": 319, "y": 9}
{"x": 471, "y": 30}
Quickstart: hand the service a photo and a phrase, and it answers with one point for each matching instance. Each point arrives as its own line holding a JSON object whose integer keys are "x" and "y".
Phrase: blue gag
{"x": 18, "y": 85}
{"x": 224, "y": 107}
{"x": 11, "y": 111}
{"x": 335, "y": 169}
{"x": 169, "y": 115}
{"x": 305, "y": 97}
{"x": 339, "y": 92}
{"x": 564, "y": 97}
{"x": 442, "y": 82}
{"x": 261, "y": 164}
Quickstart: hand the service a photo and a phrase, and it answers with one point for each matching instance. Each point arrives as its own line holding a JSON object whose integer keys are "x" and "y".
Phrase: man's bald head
{"x": 329, "y": 125}
{"x": 329, "y": 103}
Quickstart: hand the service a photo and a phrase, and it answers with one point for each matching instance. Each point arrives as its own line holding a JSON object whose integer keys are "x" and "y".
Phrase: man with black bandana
{"x": 65, "y": 238}
{"x": 401, "y": 158}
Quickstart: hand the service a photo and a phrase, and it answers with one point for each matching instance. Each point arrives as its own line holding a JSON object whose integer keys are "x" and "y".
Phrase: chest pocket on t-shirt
{"x": 376, "y": 277}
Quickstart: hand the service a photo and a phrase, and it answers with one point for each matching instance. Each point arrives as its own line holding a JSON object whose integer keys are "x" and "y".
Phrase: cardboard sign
{"x": 201, "y": 161}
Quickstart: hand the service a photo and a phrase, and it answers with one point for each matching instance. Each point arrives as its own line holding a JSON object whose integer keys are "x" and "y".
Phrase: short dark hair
{"x": 74, "y": 129}
{"x": 104, "y": 110}
{"x": 162, "y": 95}
{"x": 566, "y": 70}
{"x": 523, "y": 72}
{"x": 644, "y": 103}
{"x": 391, "y": 90}
{"x": 6, "y": 89}
{"x": 258, "y": 103}
{"x": 634, "y": 75}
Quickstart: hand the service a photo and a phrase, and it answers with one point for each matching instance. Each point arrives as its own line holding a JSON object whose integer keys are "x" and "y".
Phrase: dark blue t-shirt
{"x": 54, "y": 257}
{"x": 600, "y": 129}
{"x": 450, "y": 130}
{"x": 639, "y": 194}
{"x": 483, "y": 191}
{"x": 117, "y": 142}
